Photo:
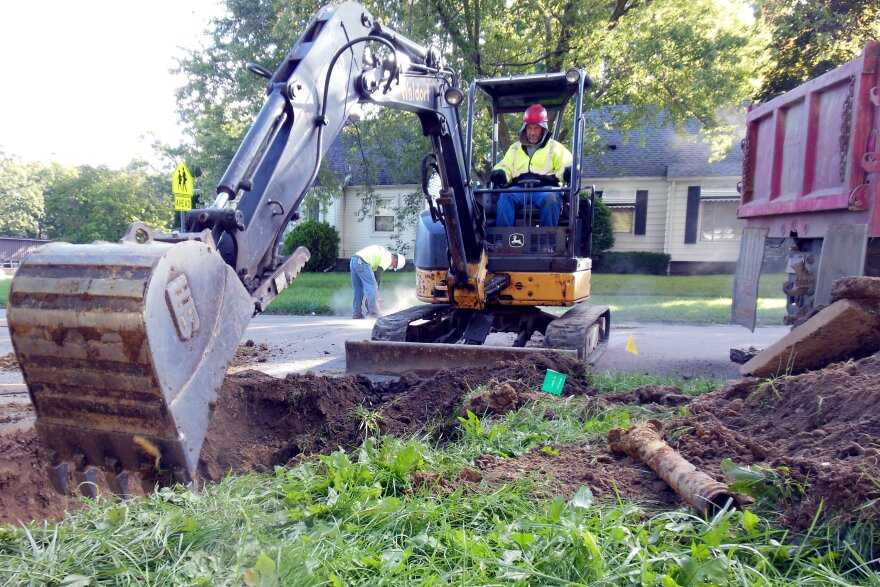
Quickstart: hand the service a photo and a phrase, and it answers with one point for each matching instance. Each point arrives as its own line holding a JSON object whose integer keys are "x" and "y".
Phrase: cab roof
{"x": 516, "y": 93}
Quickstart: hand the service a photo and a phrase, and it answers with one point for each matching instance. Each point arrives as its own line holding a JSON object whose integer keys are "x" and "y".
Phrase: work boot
{"x": 357, "y": 316}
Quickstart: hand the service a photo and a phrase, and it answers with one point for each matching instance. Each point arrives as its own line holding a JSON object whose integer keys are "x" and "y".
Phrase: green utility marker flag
{"x": 553, "y": 382}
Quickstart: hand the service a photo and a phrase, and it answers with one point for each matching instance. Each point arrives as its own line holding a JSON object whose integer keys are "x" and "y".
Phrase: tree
{"x": 811, "y": 38}
{"x": 85, "y": 204}
{"x": 686, "y": 59}
{"x": 21, "y": 199}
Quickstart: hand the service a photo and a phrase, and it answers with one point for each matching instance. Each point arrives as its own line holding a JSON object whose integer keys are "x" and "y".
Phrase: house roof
{"x": 656, "y": 151}
{"x": 346, "y": 157}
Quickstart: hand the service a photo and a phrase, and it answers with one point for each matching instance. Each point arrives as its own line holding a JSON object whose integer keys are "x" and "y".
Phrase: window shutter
{"x": 692, "y": 215}
{"x": 641, "y": 221}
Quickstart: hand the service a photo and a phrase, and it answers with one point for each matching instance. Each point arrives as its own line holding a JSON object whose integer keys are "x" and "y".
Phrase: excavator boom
{"x": 123, "y": 346}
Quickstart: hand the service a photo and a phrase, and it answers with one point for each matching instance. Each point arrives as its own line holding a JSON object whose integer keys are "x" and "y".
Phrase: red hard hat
{"x": 535, "y": 114}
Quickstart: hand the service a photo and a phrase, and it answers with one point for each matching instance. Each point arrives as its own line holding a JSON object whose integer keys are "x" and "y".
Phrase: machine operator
{"x": 535, "y": 153}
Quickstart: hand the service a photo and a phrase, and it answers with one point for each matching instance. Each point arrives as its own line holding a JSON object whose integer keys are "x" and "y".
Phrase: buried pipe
{"x": 699, "y": 490}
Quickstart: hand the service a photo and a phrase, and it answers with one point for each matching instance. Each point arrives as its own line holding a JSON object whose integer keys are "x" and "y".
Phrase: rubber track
{"x": 569, "y": 331}
{"x": 393, "y": 326}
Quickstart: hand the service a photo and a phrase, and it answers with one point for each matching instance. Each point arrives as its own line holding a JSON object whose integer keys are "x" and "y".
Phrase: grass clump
{"x": 396, "y": 512}
{"x": 361, "y": 518}
{"x": 620, "y": 382}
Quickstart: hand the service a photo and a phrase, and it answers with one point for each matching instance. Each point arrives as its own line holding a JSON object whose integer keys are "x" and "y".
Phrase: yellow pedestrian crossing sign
{"x": 182, "y": 185}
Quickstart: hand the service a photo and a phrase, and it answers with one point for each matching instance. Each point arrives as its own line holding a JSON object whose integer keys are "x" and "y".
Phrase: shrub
{"x": 641, "y": 262}
{"x": 319, "y": 238}
{"x": 603, "y": 235}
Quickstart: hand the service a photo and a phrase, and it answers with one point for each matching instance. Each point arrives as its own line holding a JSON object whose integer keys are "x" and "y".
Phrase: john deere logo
{"x": 516, "y": 240}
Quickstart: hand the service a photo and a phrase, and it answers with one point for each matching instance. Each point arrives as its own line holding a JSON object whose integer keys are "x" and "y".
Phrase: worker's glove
{"x": 566, "y": 175}
{"x": 498, "y": 177}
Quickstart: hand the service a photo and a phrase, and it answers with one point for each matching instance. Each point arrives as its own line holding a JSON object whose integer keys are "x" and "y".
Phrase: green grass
{"x": 703, "y": 299}
{"x": 686, "y": 299}
{"x": 367, "y": 517}
{"x": 679, "y": 286}
{"x": 322, "y": 293}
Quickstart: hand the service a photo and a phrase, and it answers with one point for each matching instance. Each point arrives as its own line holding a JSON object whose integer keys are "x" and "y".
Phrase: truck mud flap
{"x": 843, "y": 255}
{"x": 748, "y": 274}
{"x": 398, "y": 358}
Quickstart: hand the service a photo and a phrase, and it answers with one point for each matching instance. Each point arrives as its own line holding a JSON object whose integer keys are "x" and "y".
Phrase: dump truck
{"x": 811, "y": 185}
{"x": 123, "y": 346}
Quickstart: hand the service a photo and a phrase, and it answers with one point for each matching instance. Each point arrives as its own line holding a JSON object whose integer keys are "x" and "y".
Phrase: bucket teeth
{"x": 58, "y": 477}
{"x": 117, "y": 479}
{"x": 87, "y": 481}
{"x": 181, "y": 476}
{"x": 119, "y": 484}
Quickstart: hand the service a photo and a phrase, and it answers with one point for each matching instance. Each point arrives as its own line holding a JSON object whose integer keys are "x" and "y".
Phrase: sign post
{"x": 182, "y": 186}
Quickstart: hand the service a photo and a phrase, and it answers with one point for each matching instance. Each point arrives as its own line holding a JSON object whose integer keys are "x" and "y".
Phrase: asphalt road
{"x": 317, "y": 343}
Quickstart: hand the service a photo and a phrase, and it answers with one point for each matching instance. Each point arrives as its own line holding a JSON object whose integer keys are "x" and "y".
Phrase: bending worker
{"x": 535, "y": 154}
{"x": 367, "y": 266}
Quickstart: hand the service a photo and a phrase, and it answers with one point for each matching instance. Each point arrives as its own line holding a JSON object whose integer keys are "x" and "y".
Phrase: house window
{"x": 718, "y": 221}
{"x": 622, "y": 218}
{"x": 383, "y": 215}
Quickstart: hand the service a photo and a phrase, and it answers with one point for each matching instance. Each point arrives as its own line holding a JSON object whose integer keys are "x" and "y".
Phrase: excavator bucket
{"x": 123, "y": 348}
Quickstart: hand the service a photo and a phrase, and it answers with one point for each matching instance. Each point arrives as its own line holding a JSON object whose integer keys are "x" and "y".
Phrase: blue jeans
{"x": 363, "y": 283}
{"x": 547, "y": 202}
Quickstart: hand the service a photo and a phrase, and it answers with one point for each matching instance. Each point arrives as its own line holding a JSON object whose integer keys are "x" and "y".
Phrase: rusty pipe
{"x": 699, "y": 490}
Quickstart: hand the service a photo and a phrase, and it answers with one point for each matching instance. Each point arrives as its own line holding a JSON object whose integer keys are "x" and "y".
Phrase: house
{"x": 664, "y": 195}
{"x": 14, "y": 250}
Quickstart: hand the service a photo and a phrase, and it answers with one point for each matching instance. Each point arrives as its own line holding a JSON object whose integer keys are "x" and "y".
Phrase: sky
{"x": 85, "y": 80}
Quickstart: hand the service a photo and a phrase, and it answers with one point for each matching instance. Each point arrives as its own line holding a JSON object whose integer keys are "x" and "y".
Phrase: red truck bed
{"x": 811, "y": 173}
{"x": 808, "y": 153}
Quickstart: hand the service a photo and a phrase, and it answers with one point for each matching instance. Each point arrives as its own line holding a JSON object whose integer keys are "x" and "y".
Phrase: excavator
{"x": 123, "y": 346}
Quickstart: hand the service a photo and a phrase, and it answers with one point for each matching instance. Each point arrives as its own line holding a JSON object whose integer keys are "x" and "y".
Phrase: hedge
{"x": 640, "y": 262}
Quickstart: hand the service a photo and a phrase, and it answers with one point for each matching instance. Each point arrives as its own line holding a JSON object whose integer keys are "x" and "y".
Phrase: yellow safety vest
{"x": 553, "y": 158}
{"x": 377, "y": 256}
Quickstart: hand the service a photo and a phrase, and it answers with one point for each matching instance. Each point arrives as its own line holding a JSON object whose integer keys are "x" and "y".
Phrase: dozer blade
{"x": 123, "y": 348}
{"x": 397, "y": 358}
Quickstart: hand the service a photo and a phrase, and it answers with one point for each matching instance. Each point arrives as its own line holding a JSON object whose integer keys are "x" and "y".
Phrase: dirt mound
{"x": 824, "y": 426}
{"x": 664, "y": 395}
{"x": 500, "y": 398}
{"x": 266, "y": 421}
{"x": 606, "y": 475}
{"x": 25, "y": 492}
{"x": 249, "y": 354}
{"x": 8, "y": 362}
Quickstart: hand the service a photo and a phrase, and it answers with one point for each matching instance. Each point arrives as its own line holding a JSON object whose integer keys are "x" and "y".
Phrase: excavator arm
{"x": 124, "y": 346}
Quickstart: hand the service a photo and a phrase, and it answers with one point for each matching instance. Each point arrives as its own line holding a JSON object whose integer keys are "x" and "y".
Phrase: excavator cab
{"x": 479, "y": 279}
{"x": 527, "y": 243}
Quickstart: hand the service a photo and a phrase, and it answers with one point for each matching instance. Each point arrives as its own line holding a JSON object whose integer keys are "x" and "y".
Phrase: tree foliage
{"x": 85, "y": 204}
{"x": 603, "y": 232}
{"x": 811, "y": 38}
{"x": 688, "y": 58}
{"x": 21, "y": 199}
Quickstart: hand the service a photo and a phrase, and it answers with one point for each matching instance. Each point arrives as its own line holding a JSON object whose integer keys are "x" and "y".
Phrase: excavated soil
{"x": 8, "y": 362}
{"x": 823, "y": 426}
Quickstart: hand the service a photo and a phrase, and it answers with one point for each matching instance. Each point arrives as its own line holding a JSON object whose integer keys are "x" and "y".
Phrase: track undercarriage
{"x": 441, "y": 335}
